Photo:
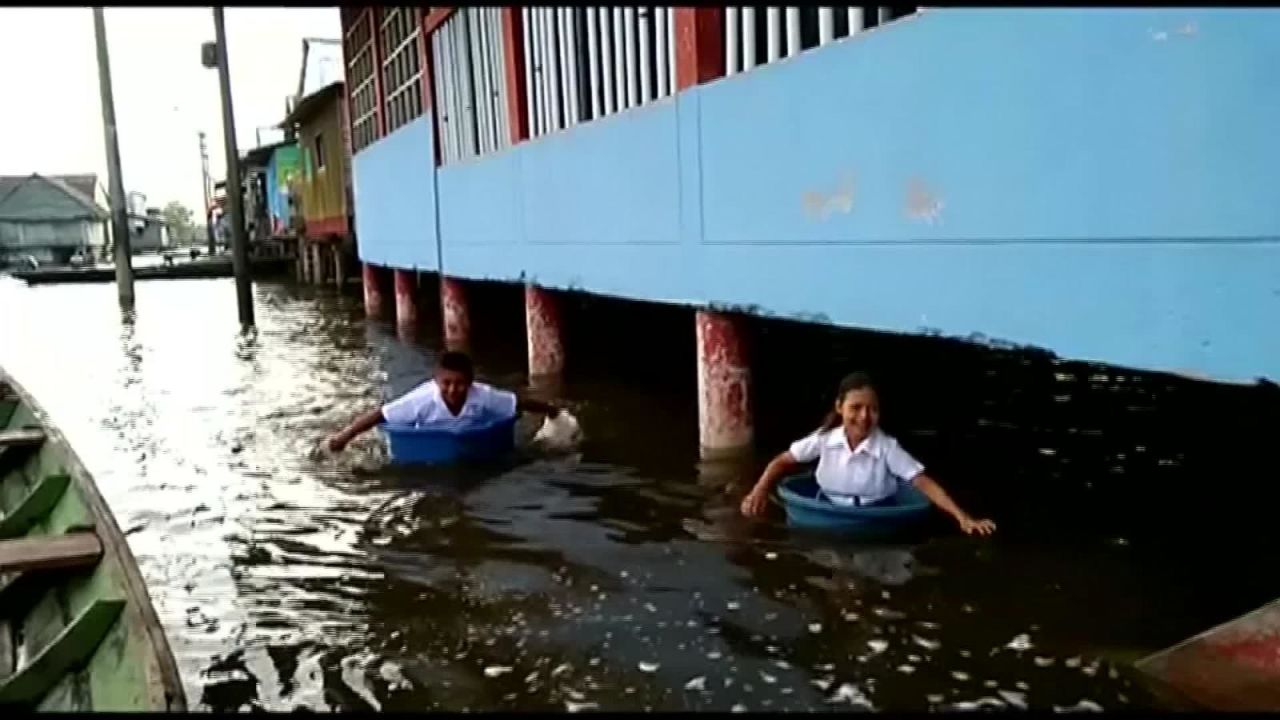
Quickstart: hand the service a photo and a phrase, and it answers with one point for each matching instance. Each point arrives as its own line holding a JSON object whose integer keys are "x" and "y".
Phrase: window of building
{"x": 319, "y": 151}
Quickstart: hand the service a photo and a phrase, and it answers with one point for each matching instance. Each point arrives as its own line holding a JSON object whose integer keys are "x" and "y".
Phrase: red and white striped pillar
{"x": 453, "y": 307}
{"x": 725, "y": 423}
{"x": 546, "y": 341}
{"x": 406, "y": 297}
{"x": 372, "y": 291}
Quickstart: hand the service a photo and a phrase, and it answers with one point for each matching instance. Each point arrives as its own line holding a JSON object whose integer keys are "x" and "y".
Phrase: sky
{"x": 163, "y": 95}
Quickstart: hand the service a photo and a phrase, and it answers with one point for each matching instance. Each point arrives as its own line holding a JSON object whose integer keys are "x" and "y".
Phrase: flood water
{"x": 1133, "y": 512}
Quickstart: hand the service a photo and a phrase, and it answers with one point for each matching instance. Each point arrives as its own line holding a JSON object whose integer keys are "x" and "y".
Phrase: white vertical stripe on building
{"x": 553, "y": 60}
{"x": 857, "y": 20}
{"x": 574, "y": 70}
{"x": 646, "y": 48}
{"x": 660, "y": 18}
{"x": 593, "y": 60}
{"x": 450, "y": 51}
{"x": 480, "y": 72}
{"x": 748, "y": 38}
{"x": 440, "y": 104}
{"x": 629, "y": 38}
{"x": 883, "y": 15}
{"x": 773, "y": 33}
{"x": 499, "y": 68}
{"x": 793, "y": 31}
{"x": 826, "y": 25}
{"x": 529, "y": 72}
{"x": 671, "y": 49}
{"x": 472, "y": 145}
{"x": 606, "y": 58}
{"x": 619, "y": 59}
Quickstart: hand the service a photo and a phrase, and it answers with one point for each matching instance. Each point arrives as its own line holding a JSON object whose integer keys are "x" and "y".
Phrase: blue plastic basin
{"x": 903, "y": 511}
{"x": 406, "y": 444}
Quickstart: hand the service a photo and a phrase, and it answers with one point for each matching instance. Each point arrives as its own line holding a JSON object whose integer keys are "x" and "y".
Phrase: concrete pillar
{"x": 457, "y": 320}
{"x": 372, "y": 291}
{"x": 546, "y": 338}
{"x": 406, "y": 297}
{"x": 317, "y": 264}
{"x": 725, "y": 423}
{"x": 300, "y": 261}
{"x": 339, "y": 266}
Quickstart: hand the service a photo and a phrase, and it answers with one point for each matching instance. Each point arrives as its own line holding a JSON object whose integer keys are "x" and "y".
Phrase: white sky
{"x": 51, "y": 115}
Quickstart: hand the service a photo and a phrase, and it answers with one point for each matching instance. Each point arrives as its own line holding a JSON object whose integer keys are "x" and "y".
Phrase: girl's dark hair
{"x": 853, "y": 381}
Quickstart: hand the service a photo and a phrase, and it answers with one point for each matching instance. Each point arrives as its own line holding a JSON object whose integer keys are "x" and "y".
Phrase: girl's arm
{"x": 754, "y": 503}
{"x": 935, "y": 493}
{"x": 363, "y": 423}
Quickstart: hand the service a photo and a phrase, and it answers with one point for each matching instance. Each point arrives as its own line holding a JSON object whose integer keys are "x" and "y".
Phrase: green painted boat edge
{"x": 116, "y": 548}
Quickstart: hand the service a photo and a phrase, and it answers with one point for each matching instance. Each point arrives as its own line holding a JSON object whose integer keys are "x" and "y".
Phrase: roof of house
{"x": 312, "y": 104}
{"x": 261, "y": 155}
{"x": 37, "y": 197}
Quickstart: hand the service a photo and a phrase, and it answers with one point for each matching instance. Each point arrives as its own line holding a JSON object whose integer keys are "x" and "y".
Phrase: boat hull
{"x": 77, "y": 632}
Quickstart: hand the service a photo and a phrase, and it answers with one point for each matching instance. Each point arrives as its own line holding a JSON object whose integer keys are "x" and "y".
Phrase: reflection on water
{"x": 620, "y": 577}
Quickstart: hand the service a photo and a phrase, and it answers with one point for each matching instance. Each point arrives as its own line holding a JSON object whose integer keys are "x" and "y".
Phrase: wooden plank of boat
{"x": 46, "y": 552}
{"x": 21, "y": 437}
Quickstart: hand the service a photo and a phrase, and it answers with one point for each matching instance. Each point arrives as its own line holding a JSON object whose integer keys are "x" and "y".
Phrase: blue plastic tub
{"x": 439, "y": 446}
{"x": 799, "y": 496}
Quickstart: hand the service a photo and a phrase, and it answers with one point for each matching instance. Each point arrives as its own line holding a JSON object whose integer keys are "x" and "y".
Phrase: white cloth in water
{"x": 561, "y": 432}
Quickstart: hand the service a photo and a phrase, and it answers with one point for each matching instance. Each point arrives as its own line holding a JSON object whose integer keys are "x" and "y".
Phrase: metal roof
{"x": 37, "y": 198}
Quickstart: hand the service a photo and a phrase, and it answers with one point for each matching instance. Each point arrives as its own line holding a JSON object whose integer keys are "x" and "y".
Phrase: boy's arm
{"x": 524, "y": 405}
{"x": 361, "y": 424}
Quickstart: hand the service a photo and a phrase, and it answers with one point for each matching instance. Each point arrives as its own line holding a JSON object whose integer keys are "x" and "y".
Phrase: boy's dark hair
{"x": 458, "y": 362}
{"x": 853, "y": 381}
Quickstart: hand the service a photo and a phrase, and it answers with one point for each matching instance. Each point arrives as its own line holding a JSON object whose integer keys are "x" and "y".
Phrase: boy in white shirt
{"x": 858, "y": 464}
{"x": 452, "y": 399}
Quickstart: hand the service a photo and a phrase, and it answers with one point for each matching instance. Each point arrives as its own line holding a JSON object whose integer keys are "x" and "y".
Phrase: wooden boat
{"x": 439, "y": 446}
{"x": 799, "y": 496}
{"x": 77, "y": 628}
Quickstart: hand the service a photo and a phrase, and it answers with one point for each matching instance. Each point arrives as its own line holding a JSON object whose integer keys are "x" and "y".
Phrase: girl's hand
{"x": 336, "y": 443}
{"x": 976, "y": 527}
{"x": 754, "y": 503}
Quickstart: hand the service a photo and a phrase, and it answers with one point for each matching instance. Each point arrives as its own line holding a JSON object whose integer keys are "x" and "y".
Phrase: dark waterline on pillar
{"x": 622, "y": 578}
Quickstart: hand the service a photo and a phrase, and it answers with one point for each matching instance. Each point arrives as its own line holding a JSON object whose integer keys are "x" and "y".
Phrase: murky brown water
{"x": 621, "y": 577}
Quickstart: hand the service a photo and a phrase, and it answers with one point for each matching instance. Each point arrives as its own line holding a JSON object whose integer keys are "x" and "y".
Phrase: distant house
{"x": 269, "y": 173}
{"x": 51, "y": 218}
{"x": 324, "y": 188}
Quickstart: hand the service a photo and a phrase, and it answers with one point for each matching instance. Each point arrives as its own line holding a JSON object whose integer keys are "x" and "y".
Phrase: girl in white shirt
{"x": 858, "y": 464}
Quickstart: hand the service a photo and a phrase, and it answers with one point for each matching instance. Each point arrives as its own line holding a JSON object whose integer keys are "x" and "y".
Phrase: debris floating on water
{"x": 1082, "y": 706}
{"x": 960, "y": 675}
{"x": 822, "y": 683}
{"x": 925, "y": 643}
{"x": 1020, "y": 643}
{"x": 575, "y": 707}
{"x": 906, "y": 669}
{"x": 494, "y": 671}
{"x": 738, "y": 708}
{"x": 646, "y": 667}
{"x": 878, "y": 645}
{"x": 1043, "y": 661}
{"x": 771, "y": 556}
{"x": 815, "y": 628}
{"x": 849, "y": 693}
{"x": 699, "y": 683}
{"x": 1016, "y": 699}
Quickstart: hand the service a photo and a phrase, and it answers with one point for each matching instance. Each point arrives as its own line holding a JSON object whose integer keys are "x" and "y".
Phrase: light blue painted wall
{"x": 1100, "y": 183}
{"x": 393, "y": 182}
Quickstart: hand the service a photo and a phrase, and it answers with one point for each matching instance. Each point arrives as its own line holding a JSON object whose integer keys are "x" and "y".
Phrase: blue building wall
{"x": 394, "y": 184}
{"x": 1100, "y": 183}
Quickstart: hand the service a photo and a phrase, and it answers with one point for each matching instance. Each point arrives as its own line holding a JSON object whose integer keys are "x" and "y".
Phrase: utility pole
{"x": 115, "y": 184}
{"x": 205, "y": 185}
{"x": 235, "y": 200}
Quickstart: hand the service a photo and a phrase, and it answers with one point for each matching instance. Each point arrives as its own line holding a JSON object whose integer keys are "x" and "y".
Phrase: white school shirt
{"x": 423, "y": 407}
{"x": 870, "y": 471}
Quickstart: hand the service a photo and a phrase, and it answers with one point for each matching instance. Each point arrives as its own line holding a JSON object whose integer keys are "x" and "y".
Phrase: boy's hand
{"x": 976, "y": 527}
{"x": 754, "y": 503}
{"x": 336, "y": 443}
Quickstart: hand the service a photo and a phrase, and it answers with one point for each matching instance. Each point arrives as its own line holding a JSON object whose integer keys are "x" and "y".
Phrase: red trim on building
{"x": 517, "y": 95}
{"x": 317, "y": 230}
{"x": 699, "y": 45}
{"x": 436, "y": 18}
